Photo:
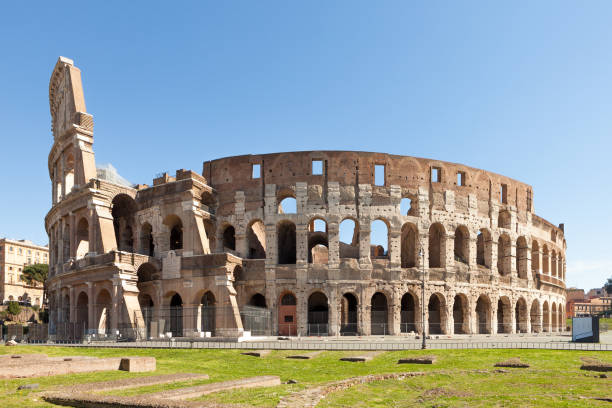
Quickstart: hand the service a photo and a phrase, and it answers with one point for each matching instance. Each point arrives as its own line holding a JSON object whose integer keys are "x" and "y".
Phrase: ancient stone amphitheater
{"x": 290, "y": 244}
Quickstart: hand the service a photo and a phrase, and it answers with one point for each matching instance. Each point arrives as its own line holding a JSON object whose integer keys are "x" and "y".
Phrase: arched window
{"x": 256, "y": 237}
{"x": 82, "y": 238}
{"x": 406, "y": 207}
{"x": 147, "y": 247}
{"x": 535, "y": 257}
{"x": 553, "y": 263}
{"x": 409, "y": 245}
{"x": 462, "y": 245}
{"x": 318, "y": 251}
{"x": 69, "y": 173}
{"x": 521, "y": 257}
{"x": 286, "y": 235}
{"x": 483, "y": 248}
{"x": 349, "y": 239}
{"x": 288, "y": 206}
{"x": 229, "y": 238}
{"x": 175, "y": 225}
{"x": 545, "y": 261}
{"x": 258, "y": 300}
{"x": 176, "y": 315}
{"x": 123, "y": 210}
{"x": 504, "y": 255}
{"x": 379, "y": 240}
{"x": 437, "y": 246}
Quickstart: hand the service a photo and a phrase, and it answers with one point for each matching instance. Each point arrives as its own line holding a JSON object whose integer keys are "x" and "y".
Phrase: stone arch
{"x": 103, "y": 312}
{"x": 522, "y": 251}
{"x": 147, "y": 245}
{"x": 504, "y": 315}
{"x": 318, "y": 245}
{"x": 258, "y": 300}
{"x": 69, "y": 173}
{"x": 348, "y": 314}
{"x": 82, "y": 310}
{"x": 545, "y": 317}
{"x": 208, "y": 202}
{"x": 349, "y": 238}
{"x": 318, "y": 313}
{"x": 461, "y": 314}
{"x": 462, "y": 244}
{"x": 147, "y": 272}
{"x": 410, "y": 239}
{"x": 286, "y": 239}
{"x": 379, "y": 246}
{"x": 176, "y": 314}
{"x": 123, "y": 210}
{"x": 535, "y": 258}
{"x": 256, "y": 239}
{"x": 504, "y": 255}
{"x": 483, "y": 315}
{"x": 238, "y": 273}
{"x": 437, "y": 246}
{"x": 82, "y": 238}
{"x": 287, "y": 314}
{"x": 409, "y": 308}
{"x": 229, "y": 238}
{"x": 208, "y": 311}
{"x": 379, "y": 314}
{"x": 175, "y": 226}
{"x": 437, "y": 314}
{"x": 535, "y": 317}
{"x": 288, "y": 204}
{"x": 484, "y": 248}
{"x": 545, "y": 260}
{"x": 520, "y": 315}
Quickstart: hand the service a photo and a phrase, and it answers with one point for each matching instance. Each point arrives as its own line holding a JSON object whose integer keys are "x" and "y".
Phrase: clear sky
{"x": 521, "y": 89}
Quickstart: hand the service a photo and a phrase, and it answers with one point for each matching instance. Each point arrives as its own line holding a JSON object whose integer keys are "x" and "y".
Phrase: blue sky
{"x": 519, "y": 89}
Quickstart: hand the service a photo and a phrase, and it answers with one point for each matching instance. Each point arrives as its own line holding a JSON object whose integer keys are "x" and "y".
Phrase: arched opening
{"x": 379, "y": 240}
{"x": 504, "y": 219}
{"x": 258, "y": 300}
{"x": 176, "y": 315}
{"x": 317, "y": 314}
{"x": 208, "y": 309}
{"x": 147, "y": 246}
{"x": 483, "y": 315}
{"x": 520, "y": 317}
{"x": 560, "y": 269}
{"x": 208, "y": 202}
{"x": 82, "y": 311}
{"x": 535, "y": 317}
{"x": 545, "y": 260}
{"x": 554, "y": 317}
{"x": 437, "y": 246}
{"x": 82, "y": 238}
{"x": 461, "y": 315}
{"x": 287, "y": 206}
{"x": 256, "y": 238}
{"x": 483, "y": 248}
{"x": 504, "y": 255}
{"x": 545, "y": 317}
{"x": 348, "y": 315}
{"x": 409, "y": 244}
{"x": 379, "y": 314}
{"x": 535, "y": 258}
{"x": 285, "y": 232}
{"x": 123, "y": 210}
{"x": 69, "y": 173}
{"x": 147, "y": 272}
{"x": 408, "y": 314}
{"x": 287, "y": 315}
{"x": 553, "y": 263}
{"x": 318, "y": 252}
{"x": 522, "y": 251}
{"x": 103, "y": 313}
{"x": 349, "y": 239}
{"x": 437, "y": 317}
{"x": 462, "y": 245}
{"x": 229, "y": 238}
{"x": 504, "y": 317}
{"x": 146, "y": 308}
{"x": 238, "y": 273}
{"x": 175, "y": 226}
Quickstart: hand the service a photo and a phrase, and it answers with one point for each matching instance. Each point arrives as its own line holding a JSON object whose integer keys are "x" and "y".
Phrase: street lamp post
{"x": 422, "y": 255}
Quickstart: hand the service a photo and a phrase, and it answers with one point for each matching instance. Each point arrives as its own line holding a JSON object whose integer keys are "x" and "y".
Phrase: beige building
{"x": 14, "y": 256}
{"x": 219, "y": 253}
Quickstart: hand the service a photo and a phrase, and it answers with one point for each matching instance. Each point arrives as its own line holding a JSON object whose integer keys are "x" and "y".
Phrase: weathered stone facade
{"x": 219, "y": 242}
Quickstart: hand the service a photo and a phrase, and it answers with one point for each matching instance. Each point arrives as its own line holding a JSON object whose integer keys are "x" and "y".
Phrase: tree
{"x": 608, "y": 286}
{"x": 13, "y": 308}
{"x": 36, "y": 273}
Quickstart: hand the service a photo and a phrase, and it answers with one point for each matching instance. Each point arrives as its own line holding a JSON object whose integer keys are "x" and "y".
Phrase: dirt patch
{"x": 417, "y": 360}
{"x": 310, "y": 397}
{"x": 305, "y": 356}
{"x": 130, "y": 383}
{"x": 257, "y": 353}
{"x": 514, "y": 362}
{"x": 198, "y": 391}
{"x": 594, "y": 364}
{"x": 444, "y": 392}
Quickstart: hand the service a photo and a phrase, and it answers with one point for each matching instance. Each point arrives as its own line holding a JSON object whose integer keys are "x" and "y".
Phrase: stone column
{"x": 302, "y": 314}
{"x": 72, "y": 227}
{"x": 513, "y": 268}
{"x": 363, "y": 313}
{"x": 117, "y": 297}
{"x": 395, "y": 251}
{"x": 513, "y": 306}
{"x": 495, "y": 240}
{"x": 334, "y": 312}
{"x": 72, "y": 304}
{"x": 396, "y": 316}
{"x": 423, "y": 261}
{"x": 448, "y": 260}
{"x": 242, "y": 245}
{"x": 301, "y": 244}
{"x": 494, "y": 322}
{"x": 333, "y": 238}
{"x": 473, "y": 249}
{"x": 364, "y": 243}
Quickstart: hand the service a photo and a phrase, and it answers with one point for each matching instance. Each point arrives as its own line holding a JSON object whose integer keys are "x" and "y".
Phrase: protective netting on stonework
{"x": 108, "y": 172}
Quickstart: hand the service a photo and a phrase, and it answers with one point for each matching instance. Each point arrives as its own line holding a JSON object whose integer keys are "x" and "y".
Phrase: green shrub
{"x": 13, "y": 308}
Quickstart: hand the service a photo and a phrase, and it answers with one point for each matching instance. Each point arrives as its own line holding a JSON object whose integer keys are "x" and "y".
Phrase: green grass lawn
{"x": 554, "y": 377}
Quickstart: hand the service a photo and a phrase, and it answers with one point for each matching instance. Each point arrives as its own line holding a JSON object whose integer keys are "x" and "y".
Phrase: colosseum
{"x": 281, "y": 244}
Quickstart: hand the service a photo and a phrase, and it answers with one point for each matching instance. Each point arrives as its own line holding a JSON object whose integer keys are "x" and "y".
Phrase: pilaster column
{"x": 333, "y": 239}
{"x": 395, "y": 251}
{"x": 72, "y": 304}
{"x": 116, "y": 296}
{"x": 513, "y": 268}
{"x": 364, "y": 243}
{"x": 91, "y": 317}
